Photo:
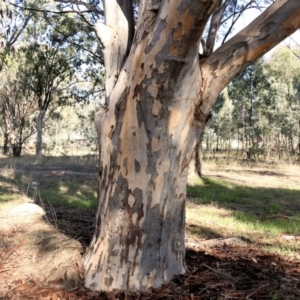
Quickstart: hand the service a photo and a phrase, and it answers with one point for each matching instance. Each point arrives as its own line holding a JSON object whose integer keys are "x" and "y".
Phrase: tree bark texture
{"x": 157, "y": 107}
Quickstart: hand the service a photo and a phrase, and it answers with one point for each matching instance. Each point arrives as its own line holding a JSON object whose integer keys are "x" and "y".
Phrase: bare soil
{"x": 287, "y": 177}
{"x": 39, "y": 261}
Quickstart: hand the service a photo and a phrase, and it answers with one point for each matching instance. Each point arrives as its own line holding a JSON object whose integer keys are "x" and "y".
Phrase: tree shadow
{"x": 29, "y": 163}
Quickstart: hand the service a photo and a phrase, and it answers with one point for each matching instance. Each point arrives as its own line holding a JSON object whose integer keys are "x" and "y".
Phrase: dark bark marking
{"x": 122, "y": 257}
{"x": 151, "y": 236}
{"x": 152, "y": 160}
{"x": 125, "y": 163}
{"x": 111, "y": 132}
{"x": 153, "y": 185}
{"x": 162, "y": 24}
{"x": 137, "y": 166}
{"x": 139, "y": 203}
{"x": 122, "y": 192}
{"x": 89, "y": 267}
{"x": 184, "y": 164}
{"x": 108, "y": 281}
{"x": 268, "y": 27}
{"x": 119, "y": 112}
{"x": 191, "y": 5}
{"x": 160, "y": 230}
{"x": 96, "y": 250}
{"x": 115, "y": 252}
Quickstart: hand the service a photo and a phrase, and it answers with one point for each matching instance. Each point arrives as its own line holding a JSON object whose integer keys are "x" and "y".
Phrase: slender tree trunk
{"x": 17, "y": 147}
{"x": 198, "y": 156}
{"x": 238, "y": 146}
{"x": 298, "y": 146}
{"x": 39, "y": 137}
{"x": 5, "y": 137}
{"x": 5, "y": 143}
{"x": 198, "y": 149}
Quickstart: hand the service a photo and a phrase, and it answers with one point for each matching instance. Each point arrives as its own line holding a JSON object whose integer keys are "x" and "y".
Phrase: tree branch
{"x": 277, "y": 22}
{"x": 90, "y": 8}
{"x": 213, "y": 29}
{"x": 116, "y": 38}
{"x": 235, "y": 19}
{"x": 51, "y": 11}
{"x": 184, "y": 26}
{"x": 22, "y": 27}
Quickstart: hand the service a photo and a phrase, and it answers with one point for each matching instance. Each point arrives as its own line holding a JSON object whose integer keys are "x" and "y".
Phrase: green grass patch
{"x": 62, "y": 180}
{"x": 253, "y": 200}
{"x": 8, "y": 197}
{"x": 69, "y": 194}
{"x": 220, "y": 208}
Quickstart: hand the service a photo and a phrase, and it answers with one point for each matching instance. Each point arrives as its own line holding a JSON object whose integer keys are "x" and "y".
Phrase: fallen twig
{"x": 219, "y": 272}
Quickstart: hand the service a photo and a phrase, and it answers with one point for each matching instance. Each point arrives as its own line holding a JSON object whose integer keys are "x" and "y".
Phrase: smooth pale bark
{"x": 115, "y": 37}
{"x": 156, "y": 108}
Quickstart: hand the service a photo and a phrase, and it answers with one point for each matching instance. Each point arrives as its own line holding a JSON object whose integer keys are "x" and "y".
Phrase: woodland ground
{"x": 257, "y": 204}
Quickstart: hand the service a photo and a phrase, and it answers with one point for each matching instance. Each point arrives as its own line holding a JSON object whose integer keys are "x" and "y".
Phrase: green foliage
{"x": 57, "y": 63}
{"x": 263, "y": 118}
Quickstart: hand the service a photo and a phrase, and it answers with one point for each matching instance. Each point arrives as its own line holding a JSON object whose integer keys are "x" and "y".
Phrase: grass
{"x": 259, "y": 204}
{"x": 267, "y": 216}
{"x": 66, "y": 181}
{"x": 70, "y": 194}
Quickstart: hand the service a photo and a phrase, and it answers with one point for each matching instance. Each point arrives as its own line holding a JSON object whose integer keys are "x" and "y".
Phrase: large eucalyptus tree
{"x": 159, "y": 92}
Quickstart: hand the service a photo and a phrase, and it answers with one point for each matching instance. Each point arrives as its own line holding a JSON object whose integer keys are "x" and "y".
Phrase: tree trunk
{"x": 39, "y": 137}
{"x": 17, "y": 147}
{"x": 145, "y": 137}
{"x": 198, "y": 148}
{"x": 5, "y": 143}
{"x": 156, "y": 105}
{"x": 6, "y": 133}
{"x": 144, "y": 158}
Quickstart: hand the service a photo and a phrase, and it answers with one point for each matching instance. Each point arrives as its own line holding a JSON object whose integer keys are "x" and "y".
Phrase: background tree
{"x": 251, "y": 93}
{"x": 265, "y": 116}
{"x": 13, "y": 22}
{"x": 58, "y": 57}
{"x": 50, "y": 69}
{"x": 284, "y": 69}
{"x": 17, "y": 109}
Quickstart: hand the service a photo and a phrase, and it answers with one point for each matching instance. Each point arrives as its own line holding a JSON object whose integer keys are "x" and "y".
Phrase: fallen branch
{"x": 221, "y": 242}
{"x": 218, "y": 272}
{"x": 12, "y": 250}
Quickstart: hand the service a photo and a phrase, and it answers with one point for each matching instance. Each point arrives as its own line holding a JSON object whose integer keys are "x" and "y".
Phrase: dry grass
{"x": 259, "y": 204}
{"x": 33, "y": 251}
